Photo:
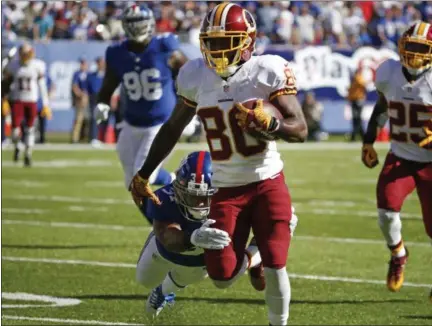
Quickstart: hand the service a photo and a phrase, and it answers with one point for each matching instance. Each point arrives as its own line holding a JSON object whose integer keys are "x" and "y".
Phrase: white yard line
{"x": 61, "y": 164}
{"x": 126, "y": 265}
{"x": 66, "y": 321}
{"x": 111, "y": 227}
{"x": 77, "y": 225}
{"x": 68, "y": 262}
{"x": 203, "y": 146}
{"x": 13, "y": 210}
{"x": 22, "y": 296}
{"x": 303, "y": 207}
{"x": 328, "y": 211}
{"x": 356, "y": 241}
{"x": 67, "y": 199}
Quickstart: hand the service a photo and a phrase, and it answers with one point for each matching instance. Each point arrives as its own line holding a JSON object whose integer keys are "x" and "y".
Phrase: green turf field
{"x": 71, "y": 231}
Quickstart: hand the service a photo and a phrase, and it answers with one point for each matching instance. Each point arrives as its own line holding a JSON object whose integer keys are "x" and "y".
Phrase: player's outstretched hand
{"x": 369, "y": 156}
{"x": 210, "y": 238}
{"x": 426, "y": 142}
{"x": 140, "y": 189}
{"x": 101, "y": 112}
{"x": 256, "y": 119}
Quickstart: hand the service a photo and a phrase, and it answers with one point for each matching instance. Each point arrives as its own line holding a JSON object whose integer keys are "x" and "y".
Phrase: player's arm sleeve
{"x": 42, "y": 83}
{"x": 382, "y": 76}
{"x": 111, "y": 79}
{"x": 110, "y": 59}
{"x": 276, "y": 77}
{"x": 187, "y": 83}
{"x": 171, "y": 42}
{"x": 156, "y": 212}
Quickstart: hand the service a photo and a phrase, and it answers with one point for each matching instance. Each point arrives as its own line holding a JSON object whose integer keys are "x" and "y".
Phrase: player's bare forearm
{"x": 176, "y": 61}
{"x": 167, "y": 137}
{"x": 171, "y": 236}
{"x": 293, "y": 127}
{"x": 377, "y": 119}
{"x": 109, "y": 85}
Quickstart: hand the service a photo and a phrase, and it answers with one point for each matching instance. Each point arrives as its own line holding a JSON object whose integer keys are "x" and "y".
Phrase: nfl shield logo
{"x": 226, "y": 88}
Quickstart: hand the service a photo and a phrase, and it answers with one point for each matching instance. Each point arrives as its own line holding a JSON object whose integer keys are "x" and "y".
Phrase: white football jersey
{"x": 409, "y": 105}
{"x": 25, "y": 83}
{"x": 237, "y": 157}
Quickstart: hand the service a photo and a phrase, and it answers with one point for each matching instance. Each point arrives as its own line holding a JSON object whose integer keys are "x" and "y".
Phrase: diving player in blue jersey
{"x": 146, "y": 65}
{"x": 173, "y": 255}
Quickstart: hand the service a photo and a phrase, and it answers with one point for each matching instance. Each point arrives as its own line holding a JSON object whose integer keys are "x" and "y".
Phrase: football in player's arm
{"x": 292, "y": 128}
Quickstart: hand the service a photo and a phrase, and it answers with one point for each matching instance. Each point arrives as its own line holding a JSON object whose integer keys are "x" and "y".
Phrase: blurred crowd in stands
{"x": 342, "y": 24}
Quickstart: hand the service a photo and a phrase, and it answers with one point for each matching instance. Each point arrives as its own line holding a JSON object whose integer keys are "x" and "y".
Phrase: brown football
{"x": 272, "y": 110}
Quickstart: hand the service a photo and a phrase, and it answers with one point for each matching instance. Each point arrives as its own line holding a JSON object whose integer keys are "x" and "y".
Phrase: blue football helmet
{"x": 138, "y": 23}
{"x": 193, "y": 188}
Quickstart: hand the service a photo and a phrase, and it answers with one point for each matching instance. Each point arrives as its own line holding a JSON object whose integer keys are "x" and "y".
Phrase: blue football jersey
{"x": 169, "y": 211}
{"x": 147, "y": 79}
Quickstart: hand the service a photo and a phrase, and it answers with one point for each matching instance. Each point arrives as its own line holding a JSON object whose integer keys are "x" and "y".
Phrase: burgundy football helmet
{"x": 415, "y": 48}
{"x": 227, "y": 37}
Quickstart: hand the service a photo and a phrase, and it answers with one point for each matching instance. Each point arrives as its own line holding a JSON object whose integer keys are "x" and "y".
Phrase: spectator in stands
{"x": 356, "y": 96}
{"x": 43, "y": 25}
{"x": 305, "y": 23}
{"x": 61, "y": 25}
{"x": 387, "y": 30}
{"x": 80, "y": 100}
{"x": 94, "y": 85}
{"x": 194, "y": 32}
{"x": 266, "y": 15}
{"x": 79, "y": 29}
{"x": 166, "y": 22}
{"x": 7, "y": 32}
{"x": 286, "y": 22}
{"x": 353, "y": 21}
{"x": 312, "y": 111}
{"x": 110, "y": 24}
{"x": 13, "y": 13}
{"x": 400, "y": 20}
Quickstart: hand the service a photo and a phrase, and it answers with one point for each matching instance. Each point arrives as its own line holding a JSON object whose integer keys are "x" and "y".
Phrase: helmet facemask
{"x": 415, "y": 54}
{"x": 138, "y": 28}
{"x": 195, "y": 198}
{"x": 222, "y": 50}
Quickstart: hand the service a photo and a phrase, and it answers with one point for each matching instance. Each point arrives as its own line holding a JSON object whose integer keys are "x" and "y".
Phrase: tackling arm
{"x": 167, "y": 137}
{"x": 292, "y": 128}
{"x": 171, "y": 236}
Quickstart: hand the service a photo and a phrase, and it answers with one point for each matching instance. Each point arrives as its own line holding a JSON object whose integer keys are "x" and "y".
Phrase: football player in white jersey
{"x": 405, "y": 98}
{"x": 248, "y": 171}
{"x": 24, "y": 79}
